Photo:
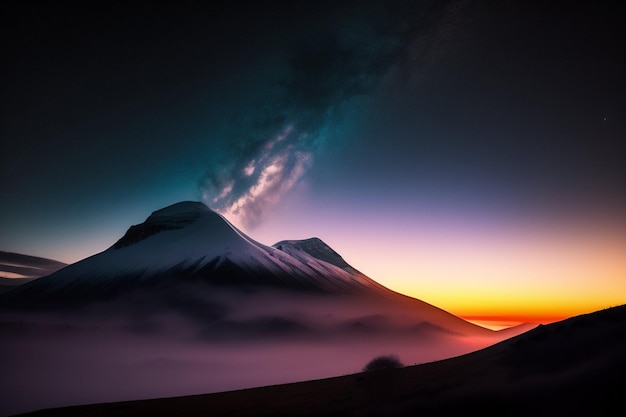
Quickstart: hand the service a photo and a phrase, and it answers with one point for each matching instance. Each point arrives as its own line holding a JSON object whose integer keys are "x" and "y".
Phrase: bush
{"x": 380, "y": 363}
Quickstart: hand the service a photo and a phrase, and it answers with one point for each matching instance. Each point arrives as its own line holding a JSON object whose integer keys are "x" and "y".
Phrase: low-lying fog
{"x": 136, "y": 348}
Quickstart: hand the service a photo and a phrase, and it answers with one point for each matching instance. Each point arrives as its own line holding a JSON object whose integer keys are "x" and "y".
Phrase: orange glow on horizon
{"x": 535, "y": 275}
{"x": 504, "y": 322}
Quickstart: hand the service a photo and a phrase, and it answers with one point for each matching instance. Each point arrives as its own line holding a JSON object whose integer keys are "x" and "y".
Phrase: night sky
{"x": 467, "y": 153}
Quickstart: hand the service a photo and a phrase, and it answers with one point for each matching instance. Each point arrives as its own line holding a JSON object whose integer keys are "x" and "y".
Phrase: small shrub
{"x": 380, "y": 363}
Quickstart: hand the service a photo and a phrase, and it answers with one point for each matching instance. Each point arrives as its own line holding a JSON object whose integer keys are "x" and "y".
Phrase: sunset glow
{"x": 520, "y": 272}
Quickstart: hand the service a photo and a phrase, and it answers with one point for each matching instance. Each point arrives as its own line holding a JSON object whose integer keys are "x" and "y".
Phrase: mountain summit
{"x": 176, "y": 216}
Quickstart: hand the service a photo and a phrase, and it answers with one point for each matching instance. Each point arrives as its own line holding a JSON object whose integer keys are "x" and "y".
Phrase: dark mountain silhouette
{"x": 573, "y": 367}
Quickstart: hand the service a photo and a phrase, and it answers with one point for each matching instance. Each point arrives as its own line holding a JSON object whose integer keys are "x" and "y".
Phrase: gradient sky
{"x": 469, "y": 154}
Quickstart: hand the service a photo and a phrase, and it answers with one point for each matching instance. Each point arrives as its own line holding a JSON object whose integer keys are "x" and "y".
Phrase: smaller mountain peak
{"x": 317, "y": 248}
{"x": 310, "y": 242}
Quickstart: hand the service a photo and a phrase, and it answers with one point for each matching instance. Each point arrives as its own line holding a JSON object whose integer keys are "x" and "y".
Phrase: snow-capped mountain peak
{"x": 189, "y": 242}
{"x": 316, "y": 248}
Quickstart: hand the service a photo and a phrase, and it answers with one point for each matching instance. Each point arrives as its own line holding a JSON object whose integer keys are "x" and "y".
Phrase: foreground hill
{"x": 573, "y": 367}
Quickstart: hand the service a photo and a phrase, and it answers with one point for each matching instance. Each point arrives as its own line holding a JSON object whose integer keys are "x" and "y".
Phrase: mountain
{"x": 573, "y": 367}
{"x": 187, "y": 242}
